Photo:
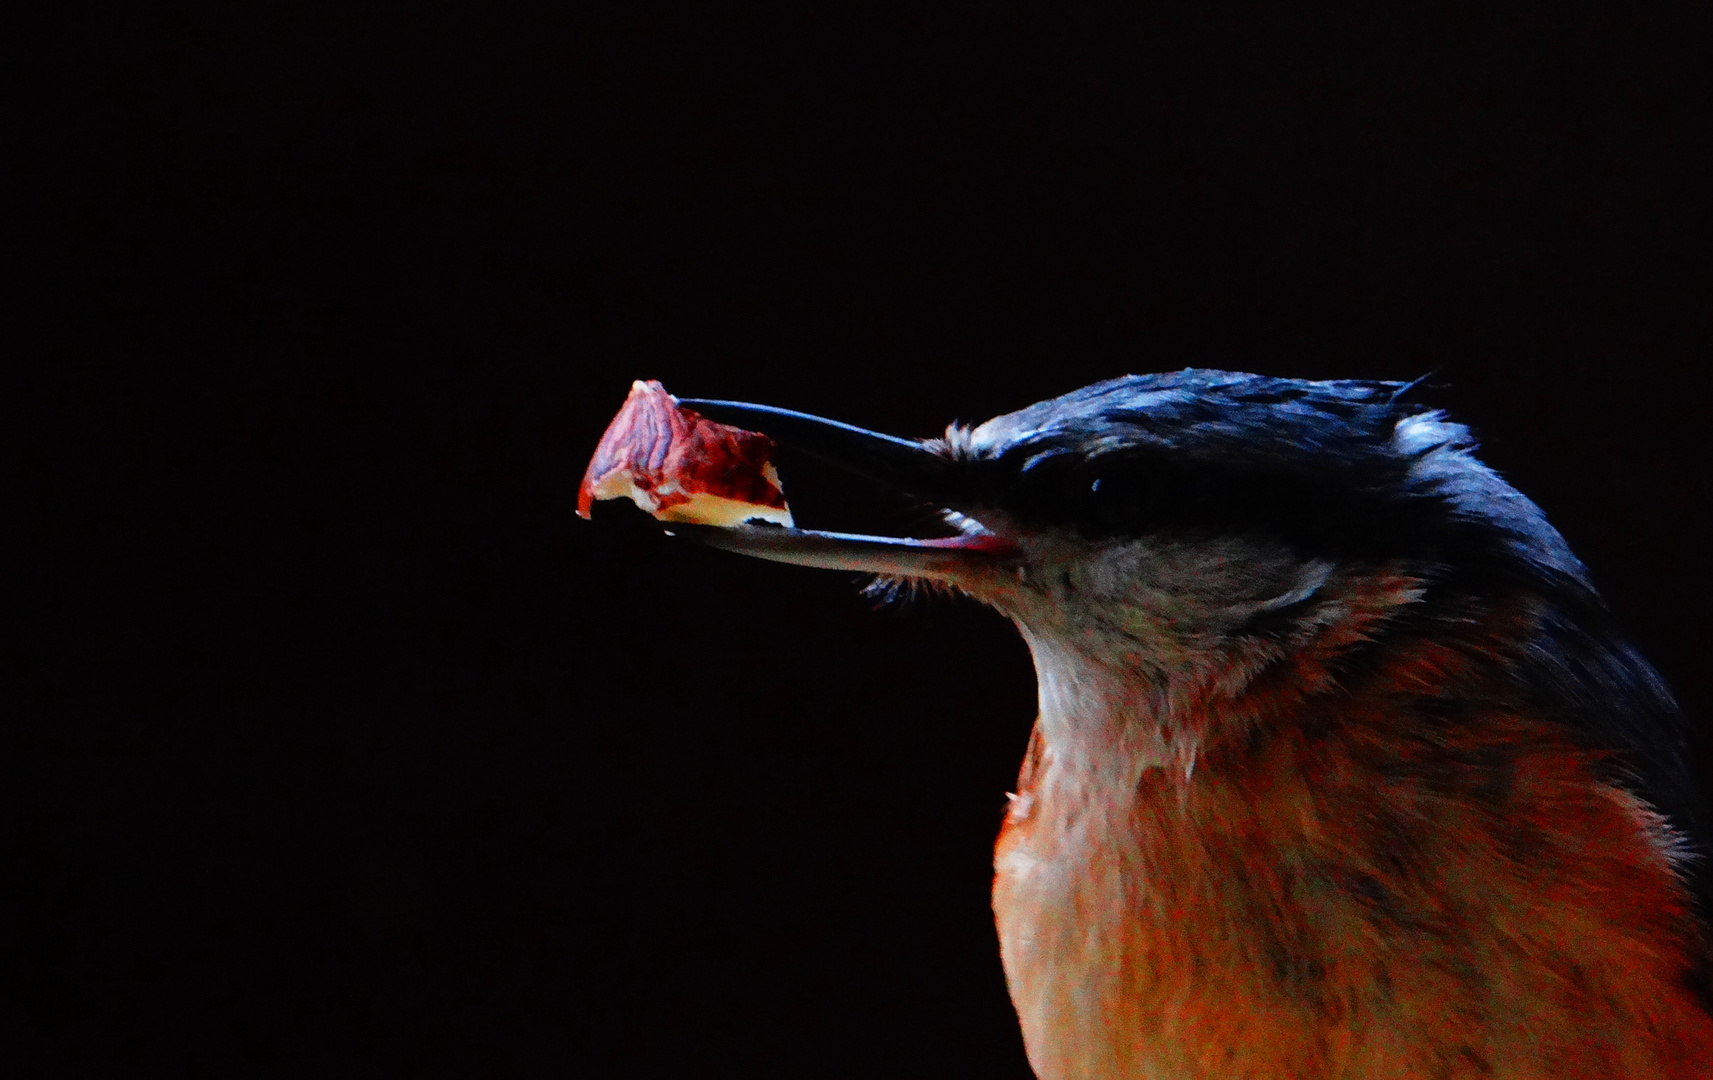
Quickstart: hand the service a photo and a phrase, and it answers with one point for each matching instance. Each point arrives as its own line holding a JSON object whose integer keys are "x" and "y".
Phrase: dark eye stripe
{"x": 1139, "y": 496}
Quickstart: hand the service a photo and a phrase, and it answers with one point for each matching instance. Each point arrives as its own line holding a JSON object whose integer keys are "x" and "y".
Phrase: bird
{"x": 1342, "y": 767}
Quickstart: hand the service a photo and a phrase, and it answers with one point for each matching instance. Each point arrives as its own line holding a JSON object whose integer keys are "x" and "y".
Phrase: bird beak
{"x": 901, "y": 464}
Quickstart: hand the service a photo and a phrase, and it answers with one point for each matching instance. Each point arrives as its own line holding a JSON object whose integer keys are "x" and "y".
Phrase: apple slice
{"x": 680, "y": 466}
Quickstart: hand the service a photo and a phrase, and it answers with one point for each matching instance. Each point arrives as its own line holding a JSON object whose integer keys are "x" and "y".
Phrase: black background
{"x": 350, "y": 751}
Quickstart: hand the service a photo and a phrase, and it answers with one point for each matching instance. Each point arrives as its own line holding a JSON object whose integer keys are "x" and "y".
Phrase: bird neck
{"x": 1111, "y": 710}
{"x": 1349, "y": 831}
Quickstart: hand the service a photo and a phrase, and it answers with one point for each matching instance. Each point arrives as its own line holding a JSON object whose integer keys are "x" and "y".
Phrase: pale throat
{"x": 1134, "y": 648}
{"x": 1096, "y": 717}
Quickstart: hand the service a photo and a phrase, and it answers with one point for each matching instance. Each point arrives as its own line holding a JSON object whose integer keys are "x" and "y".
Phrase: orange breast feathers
{"x": 1393, "y": 881}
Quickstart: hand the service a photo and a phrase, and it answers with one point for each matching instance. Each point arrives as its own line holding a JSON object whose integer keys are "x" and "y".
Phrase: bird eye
{"x": 1112, "y": 505}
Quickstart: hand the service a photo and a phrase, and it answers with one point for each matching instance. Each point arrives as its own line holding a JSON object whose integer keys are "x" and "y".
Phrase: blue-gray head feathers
{"x": 1350, "y": 470}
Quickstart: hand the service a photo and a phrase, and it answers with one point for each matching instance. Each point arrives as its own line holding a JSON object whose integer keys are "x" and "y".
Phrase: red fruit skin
{"x": 672, "y": 454}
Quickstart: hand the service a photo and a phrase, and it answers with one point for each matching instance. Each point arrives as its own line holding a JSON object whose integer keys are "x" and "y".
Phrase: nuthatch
{"x": 1341, "y": 769}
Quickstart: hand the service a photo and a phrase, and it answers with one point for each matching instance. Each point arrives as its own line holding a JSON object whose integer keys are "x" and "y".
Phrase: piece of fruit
{"x": 680, "y": 466}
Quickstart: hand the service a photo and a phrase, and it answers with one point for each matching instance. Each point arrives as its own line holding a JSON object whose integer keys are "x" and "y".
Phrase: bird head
{"x": 1153, "y": 533}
